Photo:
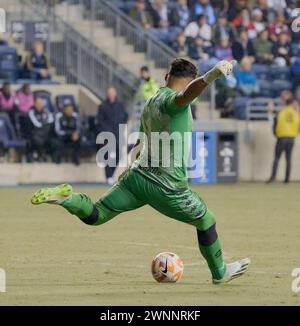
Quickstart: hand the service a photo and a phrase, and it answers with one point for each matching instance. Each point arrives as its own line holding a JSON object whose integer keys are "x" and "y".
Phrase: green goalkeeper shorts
{"x": 134, "y": 190}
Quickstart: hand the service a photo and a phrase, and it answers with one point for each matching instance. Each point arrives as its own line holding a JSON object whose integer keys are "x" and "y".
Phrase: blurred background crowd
{"x": 258, "y": 34}
{"x": 261, "y": 35}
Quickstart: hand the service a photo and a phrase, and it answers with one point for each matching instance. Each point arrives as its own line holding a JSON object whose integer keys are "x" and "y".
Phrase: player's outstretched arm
{"x": 197, "y": 86}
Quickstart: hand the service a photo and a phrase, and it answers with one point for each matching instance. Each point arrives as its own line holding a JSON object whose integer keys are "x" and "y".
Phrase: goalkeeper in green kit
{"x": 150, "y": 181}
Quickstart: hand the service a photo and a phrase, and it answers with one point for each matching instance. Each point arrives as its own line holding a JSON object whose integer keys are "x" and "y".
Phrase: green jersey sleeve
{"x": 169, "y": 104}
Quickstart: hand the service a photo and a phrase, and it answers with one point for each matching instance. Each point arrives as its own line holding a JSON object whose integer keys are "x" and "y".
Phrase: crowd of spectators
{"x": 253, "y": 32}
{"x": 223, "y": 29}
{"x": 56, "y": 133}
{"x": 46, "y": 133}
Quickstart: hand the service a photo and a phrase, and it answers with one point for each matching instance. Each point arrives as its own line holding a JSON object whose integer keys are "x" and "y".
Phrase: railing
{"x": 74, "y": 56}
{"x": 257, "y": 108}
{"x": 123, "y": 26}
{"x": 78, "y": 59}
{"x": 134, "y": 34}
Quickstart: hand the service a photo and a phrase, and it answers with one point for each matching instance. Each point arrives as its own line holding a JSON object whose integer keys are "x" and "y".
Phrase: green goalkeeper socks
{"x": 79, "y": 205}
{"x": 88, "y": 212}
{"x": 209, "y": 245}
{"x": 214, "y": 259}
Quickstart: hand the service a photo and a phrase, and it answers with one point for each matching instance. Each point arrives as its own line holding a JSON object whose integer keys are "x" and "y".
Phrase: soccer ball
{"x": 167, "y": 267}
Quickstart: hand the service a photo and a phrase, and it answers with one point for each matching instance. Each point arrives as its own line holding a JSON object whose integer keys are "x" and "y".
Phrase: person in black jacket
{"x": 41, "y": 121}
{"x": 179, "y": 16}
{"x": 111, "y": 114}
{"x": 165, "y": 22}
{"x": 243, "y": 47}
{"x": 67, "y": 129}
{"x": 282, "y": 49}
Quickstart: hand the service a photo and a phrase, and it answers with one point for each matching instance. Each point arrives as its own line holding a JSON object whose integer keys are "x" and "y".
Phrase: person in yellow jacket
{"x": 148, "y": 86}
{"x": 286, "y": 128}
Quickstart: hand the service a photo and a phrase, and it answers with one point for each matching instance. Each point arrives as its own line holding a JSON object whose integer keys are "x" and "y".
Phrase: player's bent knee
{"x": 207, "y": 237}
{"x": 93, "y": 218}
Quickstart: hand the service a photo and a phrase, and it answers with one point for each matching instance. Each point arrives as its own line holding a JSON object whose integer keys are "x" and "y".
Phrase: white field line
{"x": 147, "y": 244}
{"x": 227, "y": 256}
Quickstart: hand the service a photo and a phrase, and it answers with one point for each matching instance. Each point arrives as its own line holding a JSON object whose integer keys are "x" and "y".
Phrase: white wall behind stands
{"x": 256, "y": 156}
{"x": 256, "y": 145}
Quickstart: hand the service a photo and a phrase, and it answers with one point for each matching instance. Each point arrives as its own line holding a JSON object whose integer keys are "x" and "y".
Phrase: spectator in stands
{"x": 141, "y": 15}
{"x": 41, "y": 126}
{"x": 282, "y": 50}
{"x": 242, "y": 47}
{"x": 24, "y": 99}
{"x": 235, "y": 9}
{"x": 199, "y": 30}
{"x": 7, "y": 101}
{"x": 222, "y": 29}
{"x": 162, "y": 22}
{"x": 247, "y": 83}
{"x": 289, "y": 10}
{"x": 198, "y": 52}
{"x": 203, "y": 7}
{"x": 148, "y": 86}
{"x": 223, "y": 49}
{"x": 111, "y": 114}
{"x": 160, "y": 14}
{"x": 268, "y": 13}
{"x": 258, "y": 23}
{"x": 278, "y": 5}
{"x": 181, "y": 46}
{"x": 263, "y": 48}
{"x": 180, "y": 14}
{"x": 243, "y": 20}
{"x": 37, "y": 63}
{"x": 278, "y": 27}
{"x": 67, "y": 129}
{"x": 286, "y": 128}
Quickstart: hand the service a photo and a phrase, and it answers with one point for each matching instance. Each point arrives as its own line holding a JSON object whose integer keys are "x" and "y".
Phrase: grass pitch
{"x": 51, "y": 258}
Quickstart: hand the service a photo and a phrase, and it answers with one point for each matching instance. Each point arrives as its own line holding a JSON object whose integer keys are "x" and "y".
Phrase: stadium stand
{"x": 273, "y": 54}
{"x": 62, "y": 100}
{"x": 8, "y": 135}
{"x": 106, "y": 45}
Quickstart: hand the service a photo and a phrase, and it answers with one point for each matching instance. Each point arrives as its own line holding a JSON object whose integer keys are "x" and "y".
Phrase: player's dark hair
{"x": 182, "y": 68}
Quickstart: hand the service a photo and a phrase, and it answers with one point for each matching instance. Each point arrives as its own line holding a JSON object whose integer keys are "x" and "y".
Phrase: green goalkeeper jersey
{"x": 166, "y": 129}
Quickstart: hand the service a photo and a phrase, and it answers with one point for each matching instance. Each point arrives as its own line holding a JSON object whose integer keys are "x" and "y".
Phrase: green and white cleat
{"x": 234, "y": 270}
{"x": 54, "y": 195}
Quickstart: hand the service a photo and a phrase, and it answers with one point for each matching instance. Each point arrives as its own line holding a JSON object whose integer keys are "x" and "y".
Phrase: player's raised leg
{"x": 115, "y": 201}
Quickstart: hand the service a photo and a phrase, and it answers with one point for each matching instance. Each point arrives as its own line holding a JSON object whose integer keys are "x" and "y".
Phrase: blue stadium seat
{"x": 7, "y": 134}
{"x": 9, "y": 65}
{"x": 64, "y": 99}
{"x": 265, "y": 88}
{"x": 3, "y": 43}
{"x": 262, "y": 71}
{"x": 47, "y": 82}
{"x": 280, "y": 85}
{"x": 22, "y": 81}
{"x": 280, "y": 73}
{"x": 46, "y": 96}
